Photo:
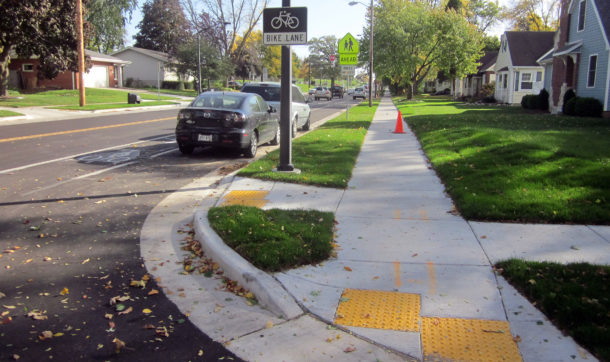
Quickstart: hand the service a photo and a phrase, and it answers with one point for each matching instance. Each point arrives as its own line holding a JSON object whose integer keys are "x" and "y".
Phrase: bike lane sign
{"x": 285, "y": 26}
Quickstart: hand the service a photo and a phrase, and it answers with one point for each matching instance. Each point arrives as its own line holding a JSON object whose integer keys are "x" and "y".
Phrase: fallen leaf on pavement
{"x": 146, "y": 311}
{"x": 349, "y": 349}
{"x": 108, "y": 316}
{"x": 126, "y": 311}
{"x": 45, "y": 335}
{"x": 153, "y": 292}
{"x": 64, "y": 291}
{"x": 118, "y": 344}
{"x": 347, "y": 268}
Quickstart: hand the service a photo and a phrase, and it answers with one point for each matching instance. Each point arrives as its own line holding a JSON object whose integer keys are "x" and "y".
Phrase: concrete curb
{"x": 268, "y": 291}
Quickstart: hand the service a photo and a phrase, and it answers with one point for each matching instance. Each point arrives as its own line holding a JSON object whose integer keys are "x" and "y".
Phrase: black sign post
{"x": 285, "y": 26}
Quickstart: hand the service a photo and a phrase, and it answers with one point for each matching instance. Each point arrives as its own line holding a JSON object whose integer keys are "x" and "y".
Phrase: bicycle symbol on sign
{"x": 285, "y": 19}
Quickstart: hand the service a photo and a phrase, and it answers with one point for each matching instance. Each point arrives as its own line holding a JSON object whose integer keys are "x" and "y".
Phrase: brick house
{"x": 106, "y": 72}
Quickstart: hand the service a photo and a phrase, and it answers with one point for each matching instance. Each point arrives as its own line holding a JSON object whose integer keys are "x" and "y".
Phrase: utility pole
{"x": 81, "y": 53}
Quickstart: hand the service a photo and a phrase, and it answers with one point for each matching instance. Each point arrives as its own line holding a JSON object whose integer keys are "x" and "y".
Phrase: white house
{"x": 517, "y": 70}
{"x": 148, "y": 67}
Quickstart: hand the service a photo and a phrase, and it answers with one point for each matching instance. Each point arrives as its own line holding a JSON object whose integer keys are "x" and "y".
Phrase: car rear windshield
{"x": 218, "y": 100}
{"x": 270, "y": 94}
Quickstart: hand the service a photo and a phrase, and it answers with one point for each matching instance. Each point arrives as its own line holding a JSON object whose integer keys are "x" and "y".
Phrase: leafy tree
{"x": 413, "y": 39}
{"x": 163, "y": 27}
{"x": 454, "y": 5}
{"x": 534, "y": 15}
{"x": 44, "y": 28}
{"x": 108, "y": 19}
{"x": 491, "y": 43}
{"x": 482, "y": 13}
{"x": 213, "y": 65}
{"x": 320, "y": 50}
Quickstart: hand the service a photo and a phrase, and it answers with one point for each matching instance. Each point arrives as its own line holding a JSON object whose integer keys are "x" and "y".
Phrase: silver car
{"x": 270, "y": 91}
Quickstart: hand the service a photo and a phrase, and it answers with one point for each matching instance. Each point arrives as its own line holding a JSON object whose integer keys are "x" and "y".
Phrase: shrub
{"x": 488, "y": 90}
{"x": 128, "y": 82}
{"x": 529, "y": 101}
{"x": 569, "y": 94}
{"x": 543, "y": 100}
{"x": 489, "y": 99}
{"x": 588, "y": 107}
{"x": 569, "y": 108}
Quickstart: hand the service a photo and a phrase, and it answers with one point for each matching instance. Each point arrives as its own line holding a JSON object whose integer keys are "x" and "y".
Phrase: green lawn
{"x": 4, "y": 113}
{"x": 275, "y": 240}
{"x": 71, "y": 98}
{"x": 505, "y": 164}
{"x": 576, "y": 297}
{"x": 186, "y": 93}
{"x": 325, "y": 156}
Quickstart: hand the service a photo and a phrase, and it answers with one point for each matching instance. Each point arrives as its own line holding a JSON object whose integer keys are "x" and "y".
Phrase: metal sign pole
{"x": 286, "y": 108}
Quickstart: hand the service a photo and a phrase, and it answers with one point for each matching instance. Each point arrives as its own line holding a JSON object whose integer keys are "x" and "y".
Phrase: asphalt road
{"x": 73, "y": 197}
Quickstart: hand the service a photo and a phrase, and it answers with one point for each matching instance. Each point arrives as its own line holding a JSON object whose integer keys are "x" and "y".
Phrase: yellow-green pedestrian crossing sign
{"x": 348, "y": 50}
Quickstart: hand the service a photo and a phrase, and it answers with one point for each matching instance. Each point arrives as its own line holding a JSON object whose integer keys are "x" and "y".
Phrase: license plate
{"x": 205, "y": 138}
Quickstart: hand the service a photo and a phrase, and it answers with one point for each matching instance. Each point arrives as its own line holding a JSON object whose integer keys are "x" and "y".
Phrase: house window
{"x": 116, "y": 72}
{"x": 516, "y": 81}
{"x": 26, "y": 67}
{"x": 526, "y": 81}
{"x": 581, "y": 15}
{"x": 538, "y": 76}
{"x": 592, "y": 71}
{"x": 505, "y": 81}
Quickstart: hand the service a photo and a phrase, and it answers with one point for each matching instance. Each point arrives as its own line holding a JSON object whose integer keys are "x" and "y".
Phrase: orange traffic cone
{"x": 399, "y": 124}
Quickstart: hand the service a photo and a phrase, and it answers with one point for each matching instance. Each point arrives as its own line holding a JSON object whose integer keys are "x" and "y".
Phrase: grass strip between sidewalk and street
{"x": 4, "y": 113}
{"x": 326, "y": 156}
{"x": 95, "y": 107}
{"x": 505, "y": 164}
{"x": 275, "y": 240}
{"x": 576, "y": 297}
{"x": 71, "y": 98}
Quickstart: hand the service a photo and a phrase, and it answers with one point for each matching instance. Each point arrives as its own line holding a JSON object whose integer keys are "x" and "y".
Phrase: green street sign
{"x": 348, "y": 59}
{"x": 348, "y": 45}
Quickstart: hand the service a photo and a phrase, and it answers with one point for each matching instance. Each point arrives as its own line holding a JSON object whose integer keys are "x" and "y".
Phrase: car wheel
{"x": 276, "y": 140}
{"x": 307, "y": 124}
{"x": 186, "y": 149}
{"x": 251, "y": 150}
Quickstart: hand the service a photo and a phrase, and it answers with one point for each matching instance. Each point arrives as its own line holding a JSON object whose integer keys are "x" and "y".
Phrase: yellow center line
{"x": 82, "y": 130}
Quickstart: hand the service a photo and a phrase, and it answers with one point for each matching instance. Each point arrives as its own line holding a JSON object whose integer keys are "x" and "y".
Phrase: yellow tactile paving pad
{"x": 452, "y": 339}
{"x": 246, "y": 198}
{"x": 379, "y": 309}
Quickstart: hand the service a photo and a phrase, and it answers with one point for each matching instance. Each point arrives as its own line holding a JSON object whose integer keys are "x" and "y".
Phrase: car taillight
{"x": 186, "y": 117}
{"x": 233, "y": 119}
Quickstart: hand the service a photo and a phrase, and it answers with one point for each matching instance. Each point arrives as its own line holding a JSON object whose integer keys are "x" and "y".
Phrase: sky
{"x": 324, "y": 17}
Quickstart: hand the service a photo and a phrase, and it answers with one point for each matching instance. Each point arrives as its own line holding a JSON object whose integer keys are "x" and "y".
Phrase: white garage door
{"x": 97, "y": 77}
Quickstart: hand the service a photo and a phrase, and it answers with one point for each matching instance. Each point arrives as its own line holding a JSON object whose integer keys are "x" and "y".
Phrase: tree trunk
{"x": 409, "y": 91}
{"x": 5, "y": 60}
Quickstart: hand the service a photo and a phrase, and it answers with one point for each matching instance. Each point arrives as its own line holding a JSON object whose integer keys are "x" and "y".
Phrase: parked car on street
{"x": 359, "y": 93}
{"x": 336, "y": 91}
{"x": 240, "y": 121}
{"x": 270, "y": 91}
{"x": 233, "y": 84}
{"x": 350, "y": 91}
{"x": 322, "y": 92}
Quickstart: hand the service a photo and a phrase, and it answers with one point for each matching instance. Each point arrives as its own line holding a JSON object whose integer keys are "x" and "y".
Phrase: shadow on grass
{"x": 503, "y": 165}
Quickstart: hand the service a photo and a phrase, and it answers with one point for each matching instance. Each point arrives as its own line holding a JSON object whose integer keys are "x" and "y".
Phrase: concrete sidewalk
{"x": 411, "y": 279}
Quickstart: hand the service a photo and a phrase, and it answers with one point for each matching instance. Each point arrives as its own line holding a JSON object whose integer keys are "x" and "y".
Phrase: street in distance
{"x": 285, "y": 38}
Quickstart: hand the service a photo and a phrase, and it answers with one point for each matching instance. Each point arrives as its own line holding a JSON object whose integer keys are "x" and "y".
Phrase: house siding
{"x": 593, "y": 44}
{"x": 143, "y": 68}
